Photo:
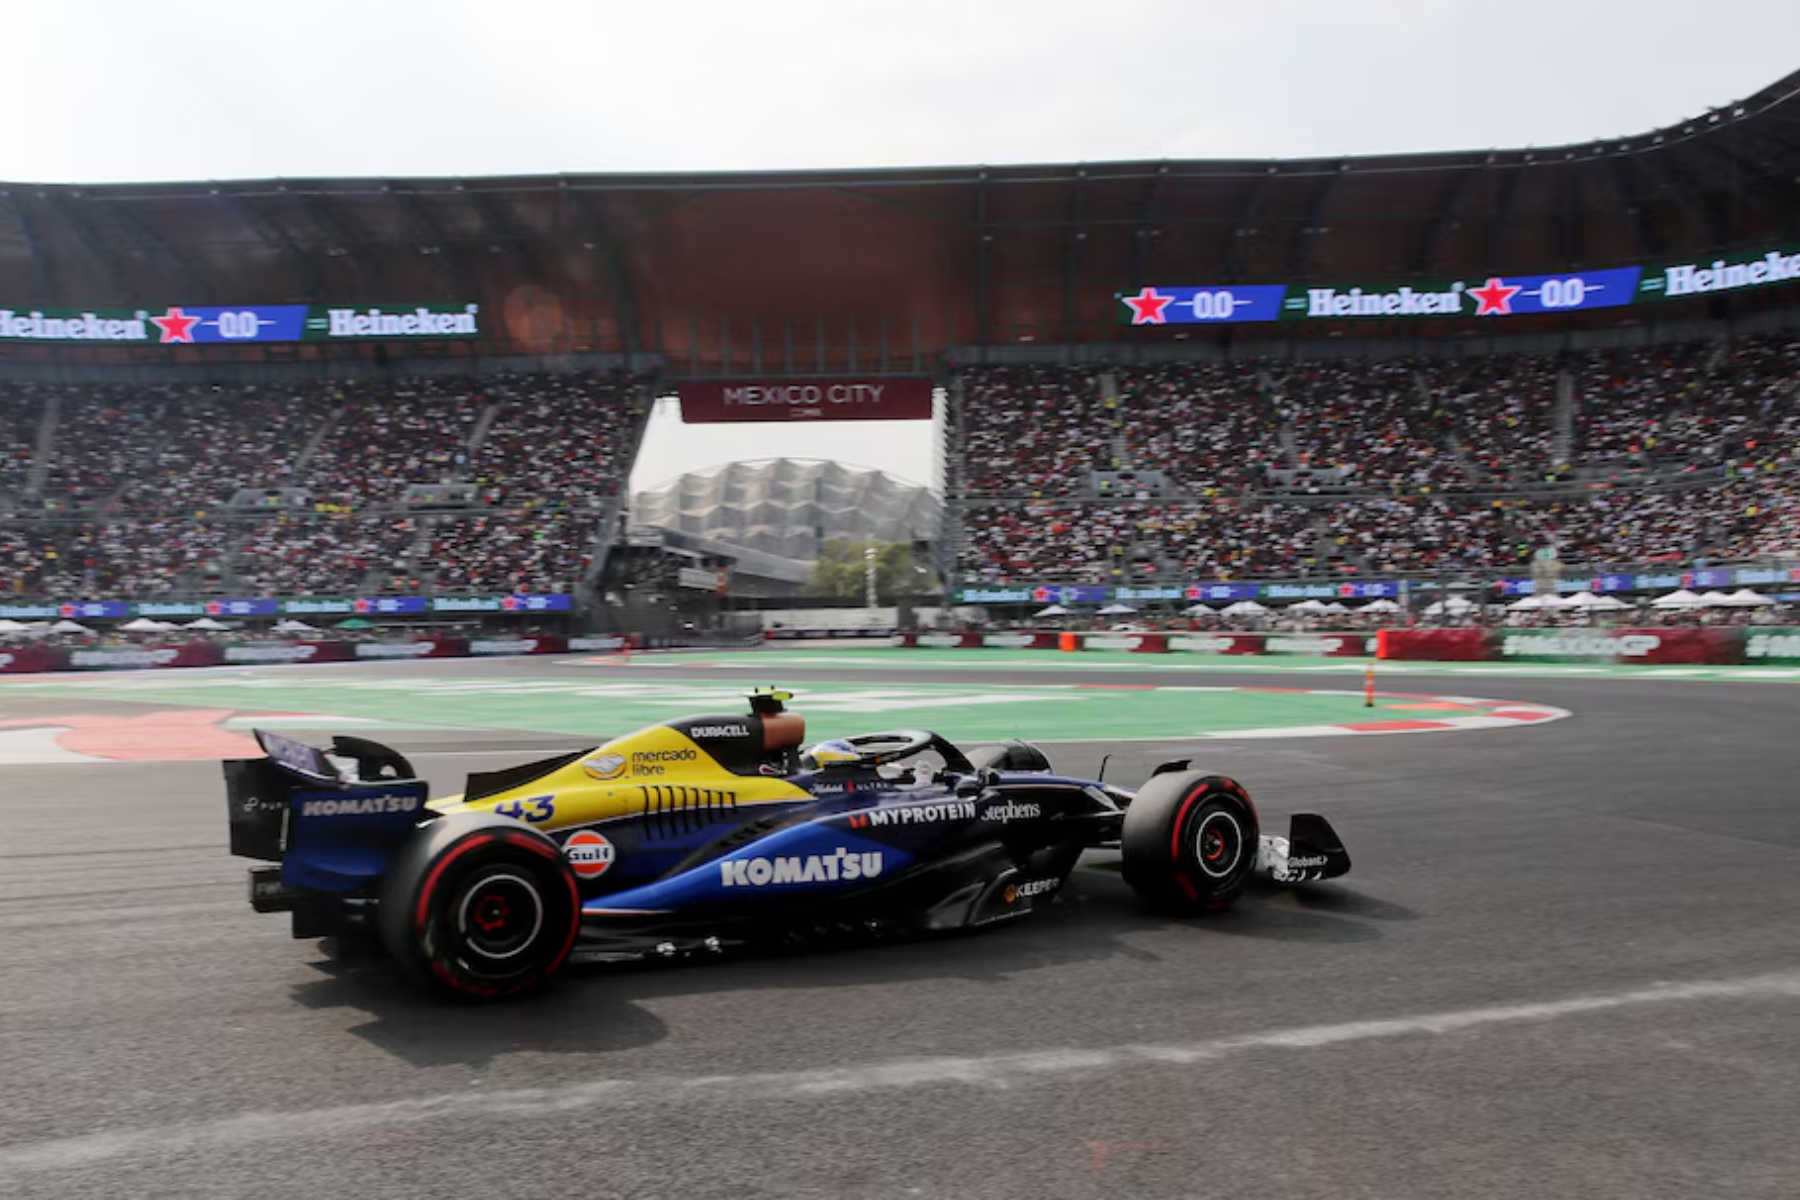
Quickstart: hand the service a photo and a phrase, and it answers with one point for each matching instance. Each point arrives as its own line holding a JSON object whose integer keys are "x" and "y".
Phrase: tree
{"x": 839, "y": 570}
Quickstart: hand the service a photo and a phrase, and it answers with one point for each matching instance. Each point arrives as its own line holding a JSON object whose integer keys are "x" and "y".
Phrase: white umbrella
{"x": 1244, "y": 608}
{"x": 1381, "y": 606}
{"x": 1582, "y": 600}
{"x": 145, "y": 625}
{"x": 289, "y": 626}
{"x": 1116, "y": 610}
{"x": 1677, "y": 599}
{"x": 1307, "y": 606}
{"x": 1455, "y": 604}
{"x": 8, "y": 625}
{"x": 1055, "y": 610}
{"x": 1197, "y": 610}
{"x": 1532, "y": 604}
{"x": 1334, "y": 607}
{"x": 206, "y": 623}
{"x": 69, "y": 627}
{"x": 1745, "y": 598}
{"x": 1715, "y": 599}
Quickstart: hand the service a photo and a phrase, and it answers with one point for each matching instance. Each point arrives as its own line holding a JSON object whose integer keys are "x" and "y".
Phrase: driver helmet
{"x": 833, "y": 753}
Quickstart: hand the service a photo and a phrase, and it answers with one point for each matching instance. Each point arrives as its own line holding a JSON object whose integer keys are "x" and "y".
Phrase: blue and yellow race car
{"x": 705, "y": 833}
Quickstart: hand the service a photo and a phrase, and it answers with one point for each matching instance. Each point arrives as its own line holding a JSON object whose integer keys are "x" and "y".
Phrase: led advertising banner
{"x": 712, "y": 402}
{"x": 307, "y": 606}
{"x": 203, "y": 325}
{"x": 1488, "y": 296}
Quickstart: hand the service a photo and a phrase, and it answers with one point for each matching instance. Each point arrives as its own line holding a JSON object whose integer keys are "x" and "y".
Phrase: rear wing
{"x": 322, "y": 817}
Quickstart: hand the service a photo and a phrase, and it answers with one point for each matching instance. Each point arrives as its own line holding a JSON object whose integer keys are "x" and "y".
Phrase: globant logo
{"x": 1305, "y": 645}
{"x": 394, "y": 649}
{"x": 840, "y": 866}
{"x": 123, "y": 658}
{"x": 254, "y": 654}
{"x": 504, "y": 646}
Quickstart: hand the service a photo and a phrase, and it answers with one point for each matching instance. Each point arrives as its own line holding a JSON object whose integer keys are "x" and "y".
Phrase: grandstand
{"x": 475, "y": 439}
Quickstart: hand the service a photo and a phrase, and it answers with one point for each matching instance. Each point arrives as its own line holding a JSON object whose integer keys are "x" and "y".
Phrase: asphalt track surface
{"x": 1566, "y": 965}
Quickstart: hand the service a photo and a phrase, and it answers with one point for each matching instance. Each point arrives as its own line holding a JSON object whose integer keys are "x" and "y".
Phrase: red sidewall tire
{"x": 479, "y": 907}
{"x": 1190, "y": 841}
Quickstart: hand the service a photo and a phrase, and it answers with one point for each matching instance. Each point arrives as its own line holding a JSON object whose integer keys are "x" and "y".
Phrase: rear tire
{"x": 479, "y": 907}
{"x": 1190, "y": 842}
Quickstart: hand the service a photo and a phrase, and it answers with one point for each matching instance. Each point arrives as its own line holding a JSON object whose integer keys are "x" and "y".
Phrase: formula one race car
{"x": 710, "y": 832}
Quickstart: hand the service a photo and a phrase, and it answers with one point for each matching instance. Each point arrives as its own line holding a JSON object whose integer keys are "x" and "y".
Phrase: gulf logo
{"x": 607, "y": 766}
{"x": 590, "y": 855}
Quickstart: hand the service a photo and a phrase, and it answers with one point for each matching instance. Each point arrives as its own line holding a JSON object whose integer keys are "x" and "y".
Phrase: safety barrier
{"x": 33, "y": 659}
{"x": 1710, "y": 646}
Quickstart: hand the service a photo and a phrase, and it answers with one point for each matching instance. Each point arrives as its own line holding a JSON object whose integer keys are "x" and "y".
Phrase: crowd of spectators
{"x": 1207, "y": 426}
{"x": 1033, "y": 431}
{"x": 136, "y": 488}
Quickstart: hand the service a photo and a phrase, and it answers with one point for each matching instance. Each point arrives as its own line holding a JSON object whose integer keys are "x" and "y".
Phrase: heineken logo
{"x": 1691, "y": 279}
{"x": 62, "y": 326}
{"x": 420, "y": 322}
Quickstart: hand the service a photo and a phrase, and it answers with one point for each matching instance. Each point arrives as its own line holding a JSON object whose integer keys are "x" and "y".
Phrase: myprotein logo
{"x": 360, "y": 806}
{"x": 840, "y": 866}
{"x": 1580, "y": 645}
{"x": 915, "y": 814}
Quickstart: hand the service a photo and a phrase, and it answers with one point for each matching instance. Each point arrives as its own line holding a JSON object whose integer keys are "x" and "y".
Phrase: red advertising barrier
{"x": 1021, "y": 640}
{"x": 1435, "y": 645}
{"x": 535, "y": 644}
{"x": 1217, "y": 643}
{"x": 1136, "y": 643}
{"x": 1328, "y": 645}
{"x": 1650, "y": 646}
{"x": 288, "y": 652}
{"x": 705, "y": 402}
{"x": 417, "y": 648}
{"x": 20, "y": 660}
{"x": 137, "y": 658}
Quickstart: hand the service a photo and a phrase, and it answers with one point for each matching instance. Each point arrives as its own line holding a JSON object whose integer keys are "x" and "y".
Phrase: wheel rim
{"x": 500, "y": 915}
{"x": 1218, "y": 844}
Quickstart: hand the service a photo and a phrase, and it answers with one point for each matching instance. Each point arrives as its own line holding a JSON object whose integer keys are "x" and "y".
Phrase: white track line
{"x": 999, "y": 1071}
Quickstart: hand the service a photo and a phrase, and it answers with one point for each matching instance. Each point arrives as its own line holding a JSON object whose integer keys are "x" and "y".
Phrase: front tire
{"x": 1190, "y": 842}
{"x": 479, "y": 907}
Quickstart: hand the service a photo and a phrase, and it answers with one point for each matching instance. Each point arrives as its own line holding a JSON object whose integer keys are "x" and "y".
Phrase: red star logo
{"x": 1193, "y": 592}
{"x": 1494, "y": 298}
{"x": 214, "y": 608}
{"x": 1147, "y": 306}
{"x": 1687, "y": 579}
{"x": 1794, "y": 574}
{"x": 1040, "y": 594}
{"x": 176, "y": 326}
{"x": 1346, "y": 589}
{"x": 362, "y": 606}
{"x": 509, "y": 603}
{"x": 67, "y": 610}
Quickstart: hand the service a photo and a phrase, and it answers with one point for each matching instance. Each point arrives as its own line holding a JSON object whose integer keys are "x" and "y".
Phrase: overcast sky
{"x": 109, "y": 90}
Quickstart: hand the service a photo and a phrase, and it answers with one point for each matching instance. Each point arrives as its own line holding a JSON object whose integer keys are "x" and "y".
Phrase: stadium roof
{"x": 787, "y": 507}
{"x": 883, "y": 269}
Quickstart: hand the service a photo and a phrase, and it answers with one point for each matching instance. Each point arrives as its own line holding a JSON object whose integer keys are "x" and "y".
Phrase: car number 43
{"x": 533, "y": 808}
